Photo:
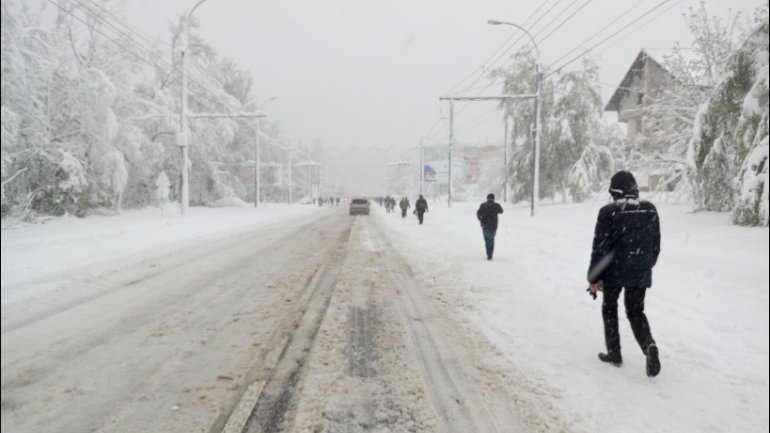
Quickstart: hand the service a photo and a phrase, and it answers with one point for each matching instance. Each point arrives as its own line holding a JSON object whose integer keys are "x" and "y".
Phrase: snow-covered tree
{"x": 728, "y": 152}
{"x": 670, "y": 111}
{"x": 89, "y": 113}
{"x": 572, "y": 160}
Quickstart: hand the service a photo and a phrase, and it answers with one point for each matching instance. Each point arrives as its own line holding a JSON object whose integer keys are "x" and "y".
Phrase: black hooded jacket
{"x": 626, "y": 239}
{"x": 487, "y": 214}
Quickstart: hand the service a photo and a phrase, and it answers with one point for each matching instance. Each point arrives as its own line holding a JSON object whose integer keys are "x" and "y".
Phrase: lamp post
{"x": 256, "y": 154}
{"x": 536, "y": 156}
{"x": 182, "y": 137}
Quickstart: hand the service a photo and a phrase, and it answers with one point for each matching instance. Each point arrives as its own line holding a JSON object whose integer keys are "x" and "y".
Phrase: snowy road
{"x": 312, "y": 324}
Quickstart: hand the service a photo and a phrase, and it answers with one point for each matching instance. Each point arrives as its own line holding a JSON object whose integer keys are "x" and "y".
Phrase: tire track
{"x": 461, "y": 405}
{"x": 267, "y": 403}
{"x": 166, "y": 332}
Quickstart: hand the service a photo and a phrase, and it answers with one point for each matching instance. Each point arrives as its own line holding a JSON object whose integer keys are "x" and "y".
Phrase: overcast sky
{"x": 364, "y": 76}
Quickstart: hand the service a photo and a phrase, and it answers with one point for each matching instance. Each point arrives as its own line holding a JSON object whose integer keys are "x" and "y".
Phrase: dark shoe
{"x": 489, "y": 257}
{"x": 653, "y": 363}
{"x": 611, "y": 358}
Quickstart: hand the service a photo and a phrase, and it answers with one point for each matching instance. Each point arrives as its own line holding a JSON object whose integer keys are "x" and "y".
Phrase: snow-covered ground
{"x": 708, "y": 308}
{"x": 35, "y": 257}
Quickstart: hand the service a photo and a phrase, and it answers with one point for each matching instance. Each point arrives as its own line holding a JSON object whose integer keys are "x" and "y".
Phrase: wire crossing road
{"x": 309, "y": 325}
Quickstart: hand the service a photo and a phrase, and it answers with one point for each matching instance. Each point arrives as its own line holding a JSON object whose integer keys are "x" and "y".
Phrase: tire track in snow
{"x": 462, "y": 406}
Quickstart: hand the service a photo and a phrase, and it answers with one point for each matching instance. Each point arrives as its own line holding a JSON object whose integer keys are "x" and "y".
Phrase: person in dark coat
{"x": 625, "y": 249}
{"x": 487, "y": 215}
{"x": 404, "y": 205}
{"x": 420, "y": 207}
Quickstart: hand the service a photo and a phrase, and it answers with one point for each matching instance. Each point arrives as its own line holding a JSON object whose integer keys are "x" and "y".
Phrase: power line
{"x": 510, "y": 46}
{"x": 482, "y": 67}
{"x": 605, "y": 39}
{"x": 100, "y": 13}
{"x": 473, "y": 122}
{"x": 147, "y": 38}
{"x": 555, "y": 17}
{"x": 195, "y": 77}
{"x": 523, "y": 34}
{"x": 565, "y": 20}
{"x": 663, "y": 12}
{"x": 613, "y": 21}
{"x": 129, "y": 50}
{"x": 559, "y": 26}
{"x": 143, "y": 54}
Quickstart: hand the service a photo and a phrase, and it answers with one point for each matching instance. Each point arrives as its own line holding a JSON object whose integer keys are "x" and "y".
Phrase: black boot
{"x": 653, "y": 362}
{"x": 613, "y": 358}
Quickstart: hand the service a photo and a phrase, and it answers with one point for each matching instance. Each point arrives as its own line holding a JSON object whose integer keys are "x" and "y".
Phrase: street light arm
{"x": 497, "y": 23}
{"x": 193, "y": 9}
{"x": 538, "y": 121}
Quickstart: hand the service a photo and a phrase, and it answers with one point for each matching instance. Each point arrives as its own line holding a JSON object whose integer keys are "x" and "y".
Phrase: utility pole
{"x": 421, "y": 168}
{"x": 505, "y": 157}
{"x": 474, "y": 98}
{"x": 536, "y": 176}
{"x": 257, "y": 162}
{"x": 256, "y": 168}
{"x": 291, "y": 161}
{"x": 182, "y": 138}
{"x": 451, "y": 142}
{"x": 538, "y": 78}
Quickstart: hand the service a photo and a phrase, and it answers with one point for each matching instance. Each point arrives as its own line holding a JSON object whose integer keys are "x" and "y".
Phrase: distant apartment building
{"x": 475, "y": 156}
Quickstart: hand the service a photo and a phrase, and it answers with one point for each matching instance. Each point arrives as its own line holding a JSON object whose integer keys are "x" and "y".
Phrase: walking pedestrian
{"x": 404, "y": 205}
{"x": 487, "y": 215}
{"x": 625, "y": 249}
{"x": 420, "y": 207}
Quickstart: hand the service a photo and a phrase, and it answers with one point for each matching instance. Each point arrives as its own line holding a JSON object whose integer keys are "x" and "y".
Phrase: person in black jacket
{"x": 625, "y": 248}
{"x": 487, "y": 215}
{"x": 420, "y": 207}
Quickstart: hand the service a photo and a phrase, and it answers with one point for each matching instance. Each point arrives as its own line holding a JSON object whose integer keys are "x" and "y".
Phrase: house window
{"x": 640, "y": 98}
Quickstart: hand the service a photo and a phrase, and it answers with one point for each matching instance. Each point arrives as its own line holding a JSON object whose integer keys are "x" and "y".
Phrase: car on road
{"x": 359, "y": 206}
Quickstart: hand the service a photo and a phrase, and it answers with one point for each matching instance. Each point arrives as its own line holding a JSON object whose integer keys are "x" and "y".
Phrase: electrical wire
{"x": 555, "y": 17}
{"x": 564, "y": 22}
{"x": 194, "y": 73}
{"x": 482, "y": 67}
{"x": 613, "y": 21}
{"x": 605, "y": 39}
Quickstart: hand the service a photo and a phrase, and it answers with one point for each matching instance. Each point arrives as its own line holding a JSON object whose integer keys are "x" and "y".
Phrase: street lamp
{"x": 256, "y": 153}
{"x": 536, "y": 156}
{"x": 182, "y": 137}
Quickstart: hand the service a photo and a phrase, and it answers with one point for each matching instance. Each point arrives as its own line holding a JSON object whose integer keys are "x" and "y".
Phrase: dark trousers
{"x": 489, "y": 240}
{"x": 634, "y": 302}
{"x": 403, "y": 212}
{"x": 420, "y": 213}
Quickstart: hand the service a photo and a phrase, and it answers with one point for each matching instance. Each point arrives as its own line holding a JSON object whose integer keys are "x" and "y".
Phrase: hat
{"x": 490, "y": 196}
{"x": 623, "y": 184}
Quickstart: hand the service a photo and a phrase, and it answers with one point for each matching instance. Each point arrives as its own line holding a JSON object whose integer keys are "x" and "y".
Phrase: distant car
{"x": 359, "y": 206}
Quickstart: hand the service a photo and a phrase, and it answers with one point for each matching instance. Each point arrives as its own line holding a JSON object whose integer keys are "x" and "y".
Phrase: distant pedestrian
{"x": 420, "y": 207}
{"x": 487, "y": 215}
{"x": 404, "y": 205}
{"x": 625, "y": 249}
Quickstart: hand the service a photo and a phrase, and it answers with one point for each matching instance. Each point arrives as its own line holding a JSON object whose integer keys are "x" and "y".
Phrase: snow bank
{"x": 36, "y": 257}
